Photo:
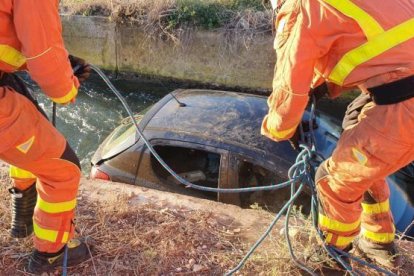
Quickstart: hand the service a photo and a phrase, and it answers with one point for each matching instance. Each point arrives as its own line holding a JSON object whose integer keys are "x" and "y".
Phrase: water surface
{"x": 98, "y": 111}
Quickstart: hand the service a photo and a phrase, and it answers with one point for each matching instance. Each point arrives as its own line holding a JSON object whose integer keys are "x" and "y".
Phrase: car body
{"x": 212, "y": 138}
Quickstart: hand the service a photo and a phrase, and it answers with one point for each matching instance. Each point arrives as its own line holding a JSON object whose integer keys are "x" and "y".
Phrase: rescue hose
{"x": 65, "y": 261}
{"x": 300, "y": 173}
{"x": 54, "y": 114}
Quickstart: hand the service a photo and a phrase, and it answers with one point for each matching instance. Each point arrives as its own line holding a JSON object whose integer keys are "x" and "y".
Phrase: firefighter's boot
{"x": 23, "y": 204}
{"x": 77, "y": 252}
{"x": 384, "y": 254}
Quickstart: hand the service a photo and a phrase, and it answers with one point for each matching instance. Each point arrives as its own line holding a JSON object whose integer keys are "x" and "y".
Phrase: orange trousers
{"x": 31, "y": 143}
{"x": 351, "y": 184}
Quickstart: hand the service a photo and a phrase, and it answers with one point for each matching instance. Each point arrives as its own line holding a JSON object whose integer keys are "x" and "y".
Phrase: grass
{"x": 170, "y": 18}
{"x": 148, "y": 239}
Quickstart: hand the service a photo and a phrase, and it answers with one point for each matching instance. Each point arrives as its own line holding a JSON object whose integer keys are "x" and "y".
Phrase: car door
{"x": 200, "y": 164}
{"x": 245, "y": 171}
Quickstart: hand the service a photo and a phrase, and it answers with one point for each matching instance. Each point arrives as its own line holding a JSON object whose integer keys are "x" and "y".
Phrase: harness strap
{"x": 394, "y": 92}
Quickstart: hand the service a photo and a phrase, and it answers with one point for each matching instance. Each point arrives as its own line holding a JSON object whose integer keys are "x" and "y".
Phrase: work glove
{"x": 81, "y": 69}
{"x": 295, "y": 140}
{"x": 354, "y": 110}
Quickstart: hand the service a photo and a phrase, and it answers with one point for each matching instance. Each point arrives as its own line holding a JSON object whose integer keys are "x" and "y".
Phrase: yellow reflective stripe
{"x": 55, "y": 208}
{"x": 335, "y": 225}
{"x": 369, "y": 25}
{"x": 48, "y": 235}
{"x": 68, "y": 97}
{"x": 341, "y": 241}
{"x": 378, "y": 45}
{"x": 65, "y": 237}
{"x": 11, "y": 56}
{"x": 282, "y": 134}
{"x": 376, "y": 208}
{"x": 328, "y": 238}
{"x": 378, "y": 237}
{"x": 16, "y": 172}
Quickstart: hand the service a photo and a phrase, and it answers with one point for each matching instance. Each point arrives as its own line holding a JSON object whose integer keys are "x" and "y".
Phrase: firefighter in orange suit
{"x": 31, "y": 39}
{"x": 346, "y": 44}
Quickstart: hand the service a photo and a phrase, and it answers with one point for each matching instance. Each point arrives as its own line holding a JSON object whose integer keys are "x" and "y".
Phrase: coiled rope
{"x": 301, "y": 173}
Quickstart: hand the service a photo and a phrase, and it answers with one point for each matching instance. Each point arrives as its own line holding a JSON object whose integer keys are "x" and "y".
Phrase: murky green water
{"x": 97, "y": 111}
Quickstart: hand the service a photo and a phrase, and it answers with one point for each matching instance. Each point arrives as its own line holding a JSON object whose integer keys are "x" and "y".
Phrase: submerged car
{"x": 212, "y": 138}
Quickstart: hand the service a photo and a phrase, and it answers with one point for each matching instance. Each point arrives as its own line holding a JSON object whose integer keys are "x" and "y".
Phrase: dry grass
{"x": 150, "y": 240}
{"x": 171, "y": 19}
{"x": 146, "y": 240}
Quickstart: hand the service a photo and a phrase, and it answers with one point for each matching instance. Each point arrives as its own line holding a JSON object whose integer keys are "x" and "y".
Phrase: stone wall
{"x": 203, "y": 56}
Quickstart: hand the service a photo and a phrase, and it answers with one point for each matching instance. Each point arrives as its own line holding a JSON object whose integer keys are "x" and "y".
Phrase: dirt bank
{"x": 144, "y": 232}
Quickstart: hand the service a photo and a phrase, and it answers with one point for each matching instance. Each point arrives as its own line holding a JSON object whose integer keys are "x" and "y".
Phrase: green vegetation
{"x": 173, "y": 14}
{"x": 210, "y": 14}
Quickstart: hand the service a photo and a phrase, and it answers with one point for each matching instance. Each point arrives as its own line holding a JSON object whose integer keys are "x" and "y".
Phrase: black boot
{"x": 77, "y": 252}
{"x": 23, "y": 204}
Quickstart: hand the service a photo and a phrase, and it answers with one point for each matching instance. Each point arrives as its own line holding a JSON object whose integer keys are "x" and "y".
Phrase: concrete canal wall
{"x": 203, "y": 56}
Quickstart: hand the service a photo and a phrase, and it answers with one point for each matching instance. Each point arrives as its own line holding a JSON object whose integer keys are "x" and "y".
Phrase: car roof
{"x": 228, "y": 117}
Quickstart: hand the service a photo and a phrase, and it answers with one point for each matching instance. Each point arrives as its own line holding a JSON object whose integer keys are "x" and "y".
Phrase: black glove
{"x": 81, "y": 69}
{"x": 354, "y": 109}
{"x": 320, "y": 91}
{"x": 295, "y": 139}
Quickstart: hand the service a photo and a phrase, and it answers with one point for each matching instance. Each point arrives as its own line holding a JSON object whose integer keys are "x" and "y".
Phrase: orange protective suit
{"x": 31, "y": 39}
{"x": 346, "y": 44}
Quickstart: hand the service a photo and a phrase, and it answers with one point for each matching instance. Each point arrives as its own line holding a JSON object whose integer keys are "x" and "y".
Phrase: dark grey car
{"x": 212, "y": 138}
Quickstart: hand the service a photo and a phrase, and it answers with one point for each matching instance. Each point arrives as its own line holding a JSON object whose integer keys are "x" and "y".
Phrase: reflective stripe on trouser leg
{"x": 377, "y": 221}
{"x": 377, "y": 146}
{"x": 22, "y": 180}
{"x": 47, "y": 158}
{"x": 59, "y": 236}
{"x": 55, "y": 207}
{"x": 339, "y": 231}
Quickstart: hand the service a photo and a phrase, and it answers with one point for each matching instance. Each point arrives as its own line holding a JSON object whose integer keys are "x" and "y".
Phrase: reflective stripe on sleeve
{"x": 369, "y": 25}
{"x": 331, "y": 224}
{"x": 16, "y": 172}
{"x": 49, "y": 235}
{"x": 371, "y": 49}
{"x": 68, "y": 97}
{"x": 55, "y": 208}
{"x": 11, "y": 56}
{"x": 282, "y": 134}
{"x": 376, "y": 208}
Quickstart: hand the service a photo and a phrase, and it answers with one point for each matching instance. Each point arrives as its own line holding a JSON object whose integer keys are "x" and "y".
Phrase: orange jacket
{"x": 345, "y": 43}
{"x": 31, "y": 38}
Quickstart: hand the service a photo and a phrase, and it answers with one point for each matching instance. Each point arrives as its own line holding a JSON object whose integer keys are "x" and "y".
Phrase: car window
{"x": 123, "y": 137}
{"x": 195, "y": 165}
{"x": 253, "y": 175}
